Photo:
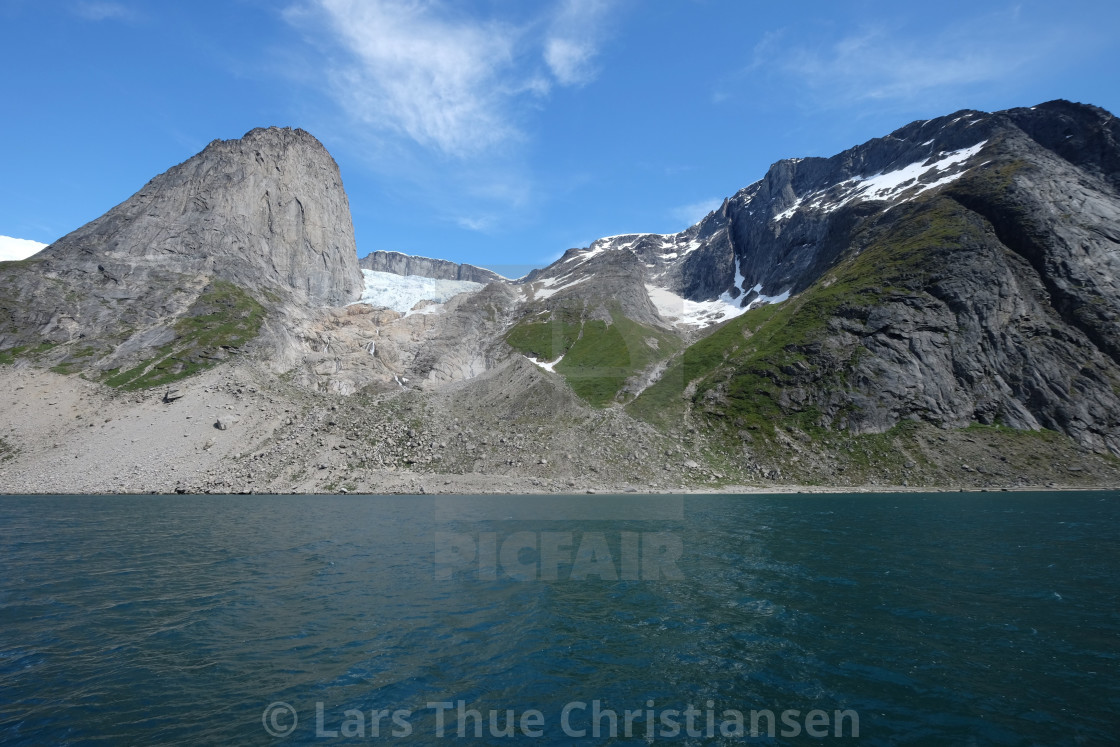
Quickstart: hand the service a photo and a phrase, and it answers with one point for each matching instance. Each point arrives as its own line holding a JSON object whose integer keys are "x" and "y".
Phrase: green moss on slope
{"x": 223, "y": 317}
{"x": 599, "y": 356}
{"x": 546, "y": 339}
{"x": 33, "y": 352}
{"x": 599, "y": 363}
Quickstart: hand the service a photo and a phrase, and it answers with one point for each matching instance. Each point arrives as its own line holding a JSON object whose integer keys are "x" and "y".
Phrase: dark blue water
{"x": 933, "y": 619}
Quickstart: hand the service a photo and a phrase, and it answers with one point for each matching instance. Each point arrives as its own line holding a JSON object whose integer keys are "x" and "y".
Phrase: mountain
{"x": 938, "y": 306}
{"x": 191, "y": 266}
{"x": 961, "y": 270}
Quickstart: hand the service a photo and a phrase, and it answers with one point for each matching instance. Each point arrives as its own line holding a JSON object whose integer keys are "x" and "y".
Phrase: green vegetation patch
{"x": 665, "y": 400}
{"x": 549, "y": 338}
{"x": 224, "y": 317}
{"x": 599, "y": 356}
{"x": 605, "y": 356}
{"x": 33, "y": 352}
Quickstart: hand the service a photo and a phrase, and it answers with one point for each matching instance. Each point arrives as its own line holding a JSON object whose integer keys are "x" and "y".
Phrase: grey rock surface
{"x": 225, "y": 422}
{"x": 266, "y": 211}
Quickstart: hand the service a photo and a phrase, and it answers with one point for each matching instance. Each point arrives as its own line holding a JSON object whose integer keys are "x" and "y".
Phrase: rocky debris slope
{"x": 347, "y": 349}
{"x": 498, "y": 432}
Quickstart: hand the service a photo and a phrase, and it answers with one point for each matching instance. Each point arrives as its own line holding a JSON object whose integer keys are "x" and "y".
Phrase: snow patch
{"x": 551, "y": 367}
{"x": 402, "y": 292}
{"x": 884, "y": 186}
{"x": 763, "y": 299}
{"x": 672, "y": 245}
{"x": 547, "y": 291}
{"x": 698, "y": 314}
{"x": 739, "y": 280}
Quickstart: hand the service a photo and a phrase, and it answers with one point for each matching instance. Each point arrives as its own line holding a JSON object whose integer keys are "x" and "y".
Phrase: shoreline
{"x": 243, "y": 431}
{"x": 740, "y": 491}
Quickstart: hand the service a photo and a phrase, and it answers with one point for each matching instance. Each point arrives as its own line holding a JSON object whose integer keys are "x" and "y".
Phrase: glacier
{"x": 402, "y": 292}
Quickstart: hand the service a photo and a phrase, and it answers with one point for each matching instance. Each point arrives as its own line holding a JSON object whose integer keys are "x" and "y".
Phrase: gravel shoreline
{"x": 66, "y": 435}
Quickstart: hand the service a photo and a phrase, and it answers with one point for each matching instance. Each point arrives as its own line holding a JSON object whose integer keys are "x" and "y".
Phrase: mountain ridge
{"x": 439, "y": 269}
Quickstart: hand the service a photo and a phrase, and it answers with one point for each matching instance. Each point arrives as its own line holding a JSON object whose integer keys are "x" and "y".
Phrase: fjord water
{"x": 939, "y": 619}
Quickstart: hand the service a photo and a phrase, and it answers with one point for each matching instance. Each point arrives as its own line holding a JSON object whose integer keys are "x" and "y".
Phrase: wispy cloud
{"x": 454, "y": 83}
{"x": 423, "y": 74}
{"x": 885, "y": 63}
{"x": 573, "y": 41}
{"x": 693, "y": 212}
{"x": 481, "y": 223}
{"x": 103, "y": 11}
{"x": 876, "y": 65}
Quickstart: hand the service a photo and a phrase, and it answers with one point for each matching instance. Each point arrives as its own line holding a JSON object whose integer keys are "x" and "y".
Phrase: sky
{"x": 503, "y": 132}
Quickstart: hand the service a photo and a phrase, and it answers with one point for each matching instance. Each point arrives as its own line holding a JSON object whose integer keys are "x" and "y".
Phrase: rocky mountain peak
{"x": 266, "y": 211}
{"x": 192, "y": 266}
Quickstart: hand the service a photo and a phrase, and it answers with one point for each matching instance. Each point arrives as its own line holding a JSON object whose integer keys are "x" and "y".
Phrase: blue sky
{"x": 502, "y": 132}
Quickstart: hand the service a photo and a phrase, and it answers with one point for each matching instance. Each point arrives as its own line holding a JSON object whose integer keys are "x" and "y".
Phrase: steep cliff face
{"x": 782, "y": 232}
{"x": 184, "y": 270}
{"x": 266, "y": 212}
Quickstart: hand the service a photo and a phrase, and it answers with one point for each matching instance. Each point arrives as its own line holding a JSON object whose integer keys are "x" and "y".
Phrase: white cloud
{"x": 692, "y": 213}
{"x": 573, "y": 41}
{"x": 568, "y": 59}
{"x": 13, "y": 249}
{"x": 437, "y": 80}
{"x": 453, "y": 83}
